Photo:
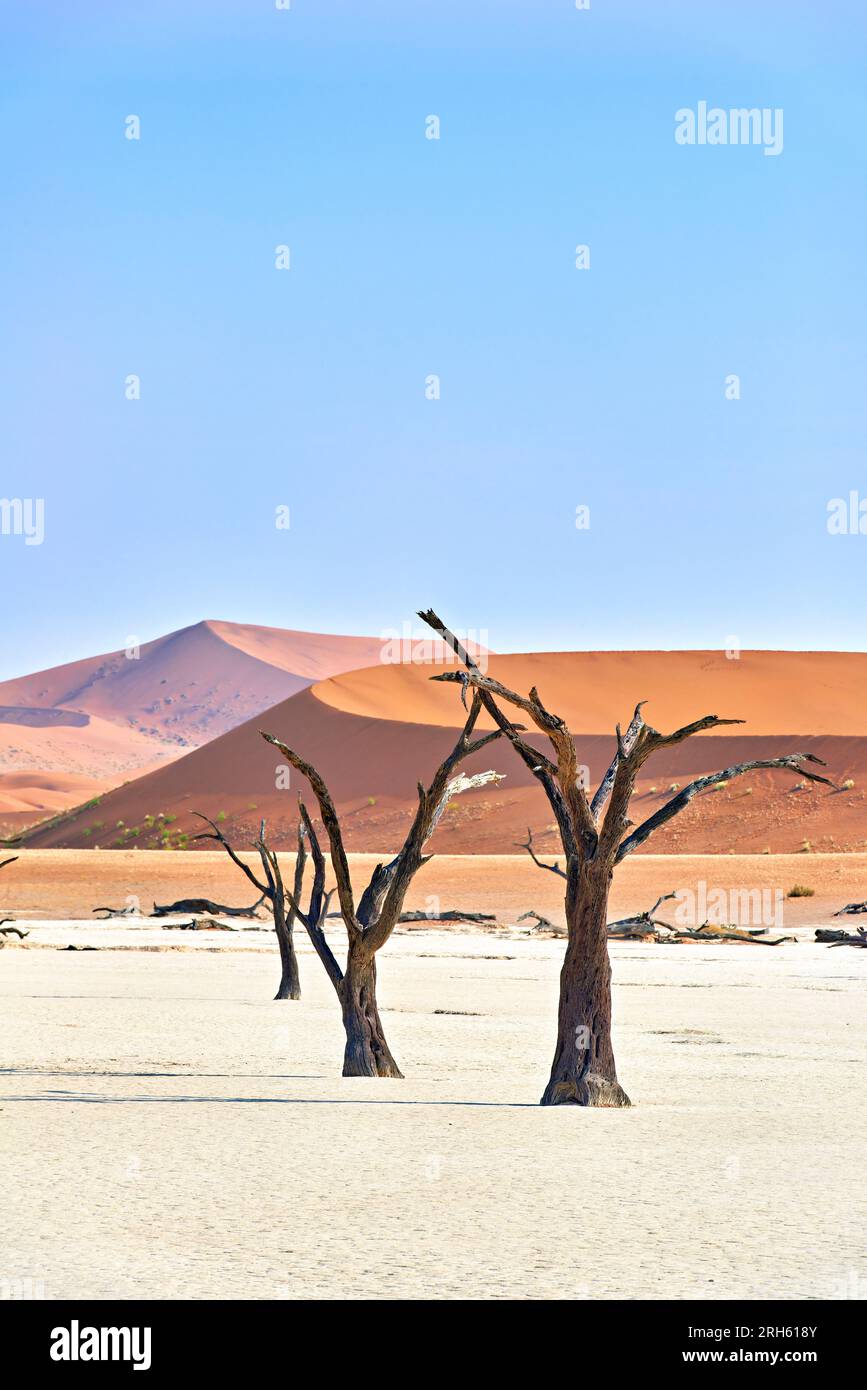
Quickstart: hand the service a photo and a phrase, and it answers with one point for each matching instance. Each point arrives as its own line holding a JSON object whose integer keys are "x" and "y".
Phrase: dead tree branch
{"x": 11, "y": 931}
{"x": 271, "y": 890}
{"x": 528, "y": 846}
{"x": 791, "y": 762}
{"x": 842, "y": 938}
{"x": 594, "y": 838}
{"x": 370, "y": 924}
{"x": 184, "y": 905}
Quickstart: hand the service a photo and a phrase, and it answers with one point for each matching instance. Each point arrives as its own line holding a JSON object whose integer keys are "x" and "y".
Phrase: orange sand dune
{"x": 374, "y": 733}
{"x": 775, "y": 692}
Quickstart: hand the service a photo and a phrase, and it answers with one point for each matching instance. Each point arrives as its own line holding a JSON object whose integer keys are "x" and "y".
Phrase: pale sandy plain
{"x": 167, "y": 1130}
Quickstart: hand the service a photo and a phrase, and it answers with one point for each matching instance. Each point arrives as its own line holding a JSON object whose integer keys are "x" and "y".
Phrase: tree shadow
{"x": 82, "y": 1098}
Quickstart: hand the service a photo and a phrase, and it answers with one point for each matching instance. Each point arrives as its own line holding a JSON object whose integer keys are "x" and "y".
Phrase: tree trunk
{"x": 583, "y": 1071}
{"x": 290, "y": 980}
{"x": 366, "y": 1053}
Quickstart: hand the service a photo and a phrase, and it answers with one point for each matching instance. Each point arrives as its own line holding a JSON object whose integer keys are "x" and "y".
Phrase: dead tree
{"x": 595, "y": 835}
{"x": 271, "y": 890}
{"x": 842, "y": 938}
{"x": 10, "y": 930}
{"x": 371, "y": 921}
{"x": 453, "y": 915}
{"x": 643, "y": 924}
{"x": 197, "y": 904}
{"x": 542, "y": 923}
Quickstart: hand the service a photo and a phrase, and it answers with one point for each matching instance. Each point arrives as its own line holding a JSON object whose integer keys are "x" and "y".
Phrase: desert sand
{"x": 68, "y": 884}
{"x": 75, "y": 731}
{"x": 373, "y": 733}
{"x": 774, "y": 692}
{"x": 169, "y": 1131}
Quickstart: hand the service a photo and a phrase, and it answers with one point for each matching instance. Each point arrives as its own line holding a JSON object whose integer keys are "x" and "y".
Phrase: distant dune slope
{"x": 788, "y": 692}
{"x": 112, "y": 716}
{"x": 373, "y": 733}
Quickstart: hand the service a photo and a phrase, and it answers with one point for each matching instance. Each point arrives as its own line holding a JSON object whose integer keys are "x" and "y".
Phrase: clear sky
{"x": 410, "y": 257}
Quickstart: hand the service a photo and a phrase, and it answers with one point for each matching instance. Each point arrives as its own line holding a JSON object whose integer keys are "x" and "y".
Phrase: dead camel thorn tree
{"x": 595, "y": 835}
{"x": 276, "y": 895}
{"x": 8, "y": 930}
{"x": 371, "y": 923}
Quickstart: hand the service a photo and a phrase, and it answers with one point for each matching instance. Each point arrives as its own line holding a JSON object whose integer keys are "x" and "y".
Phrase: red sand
{"x": 373, "y": 733}
{"x": 775, "y": 692}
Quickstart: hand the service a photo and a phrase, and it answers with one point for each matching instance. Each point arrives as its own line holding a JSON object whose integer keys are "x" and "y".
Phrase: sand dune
{"x": 50, "y": 768}
{"x": 45, "y": 791}
{"x": 112, "y": 716}
{"x": 774, "y": 692}
{"x": 195, "y": 683}
{"x": 373, "y": 733}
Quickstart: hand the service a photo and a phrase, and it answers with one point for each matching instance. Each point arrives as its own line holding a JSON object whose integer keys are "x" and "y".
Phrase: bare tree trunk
{"x": 367, "y": 1053}
{"x": 370, "y": 923}
{"x": 290, "y": 980}
{"x": 583, "y": 1070}
{"x": 594, "y": 836}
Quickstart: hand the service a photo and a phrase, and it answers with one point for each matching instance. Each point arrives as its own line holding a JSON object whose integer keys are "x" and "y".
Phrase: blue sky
{"x": 411, "y": 257}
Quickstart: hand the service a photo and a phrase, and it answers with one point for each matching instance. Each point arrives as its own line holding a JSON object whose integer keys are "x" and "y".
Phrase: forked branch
{"x": 313, "y": 920}
{"x": 528, "y": 846}
{"x": 560, "y": 780}
{"x": 380, "y": 905}
{"x": 217, "y": 834}
{"x": 339, "y": 859}
{"x": 791, "y": 762}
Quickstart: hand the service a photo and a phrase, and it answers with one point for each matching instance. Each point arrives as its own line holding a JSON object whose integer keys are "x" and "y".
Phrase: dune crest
{"x": 375, "y": 732}
{"x": 120, "y": 714}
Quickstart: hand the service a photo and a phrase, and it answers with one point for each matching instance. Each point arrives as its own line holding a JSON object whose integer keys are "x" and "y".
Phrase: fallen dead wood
{"x": 129, "y": 911}
{"x": 851, "y": 908}
{"x": 643, "y": 926}
{"x": 542, "y": 923}
{"x": 646, "y": 926}
{"x": 199, "y": 924}
{"x": 453, "y": 915}
{"x": 707, "y": 932}
{"x": 842, "y": 938}
{"x": 12, "y": 931}
{"x": 206, "y": 906}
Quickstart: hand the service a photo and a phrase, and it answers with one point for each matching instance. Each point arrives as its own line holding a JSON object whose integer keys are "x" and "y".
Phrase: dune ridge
{"x": 372, "y": 733}
{"x": 114, "y": 715}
